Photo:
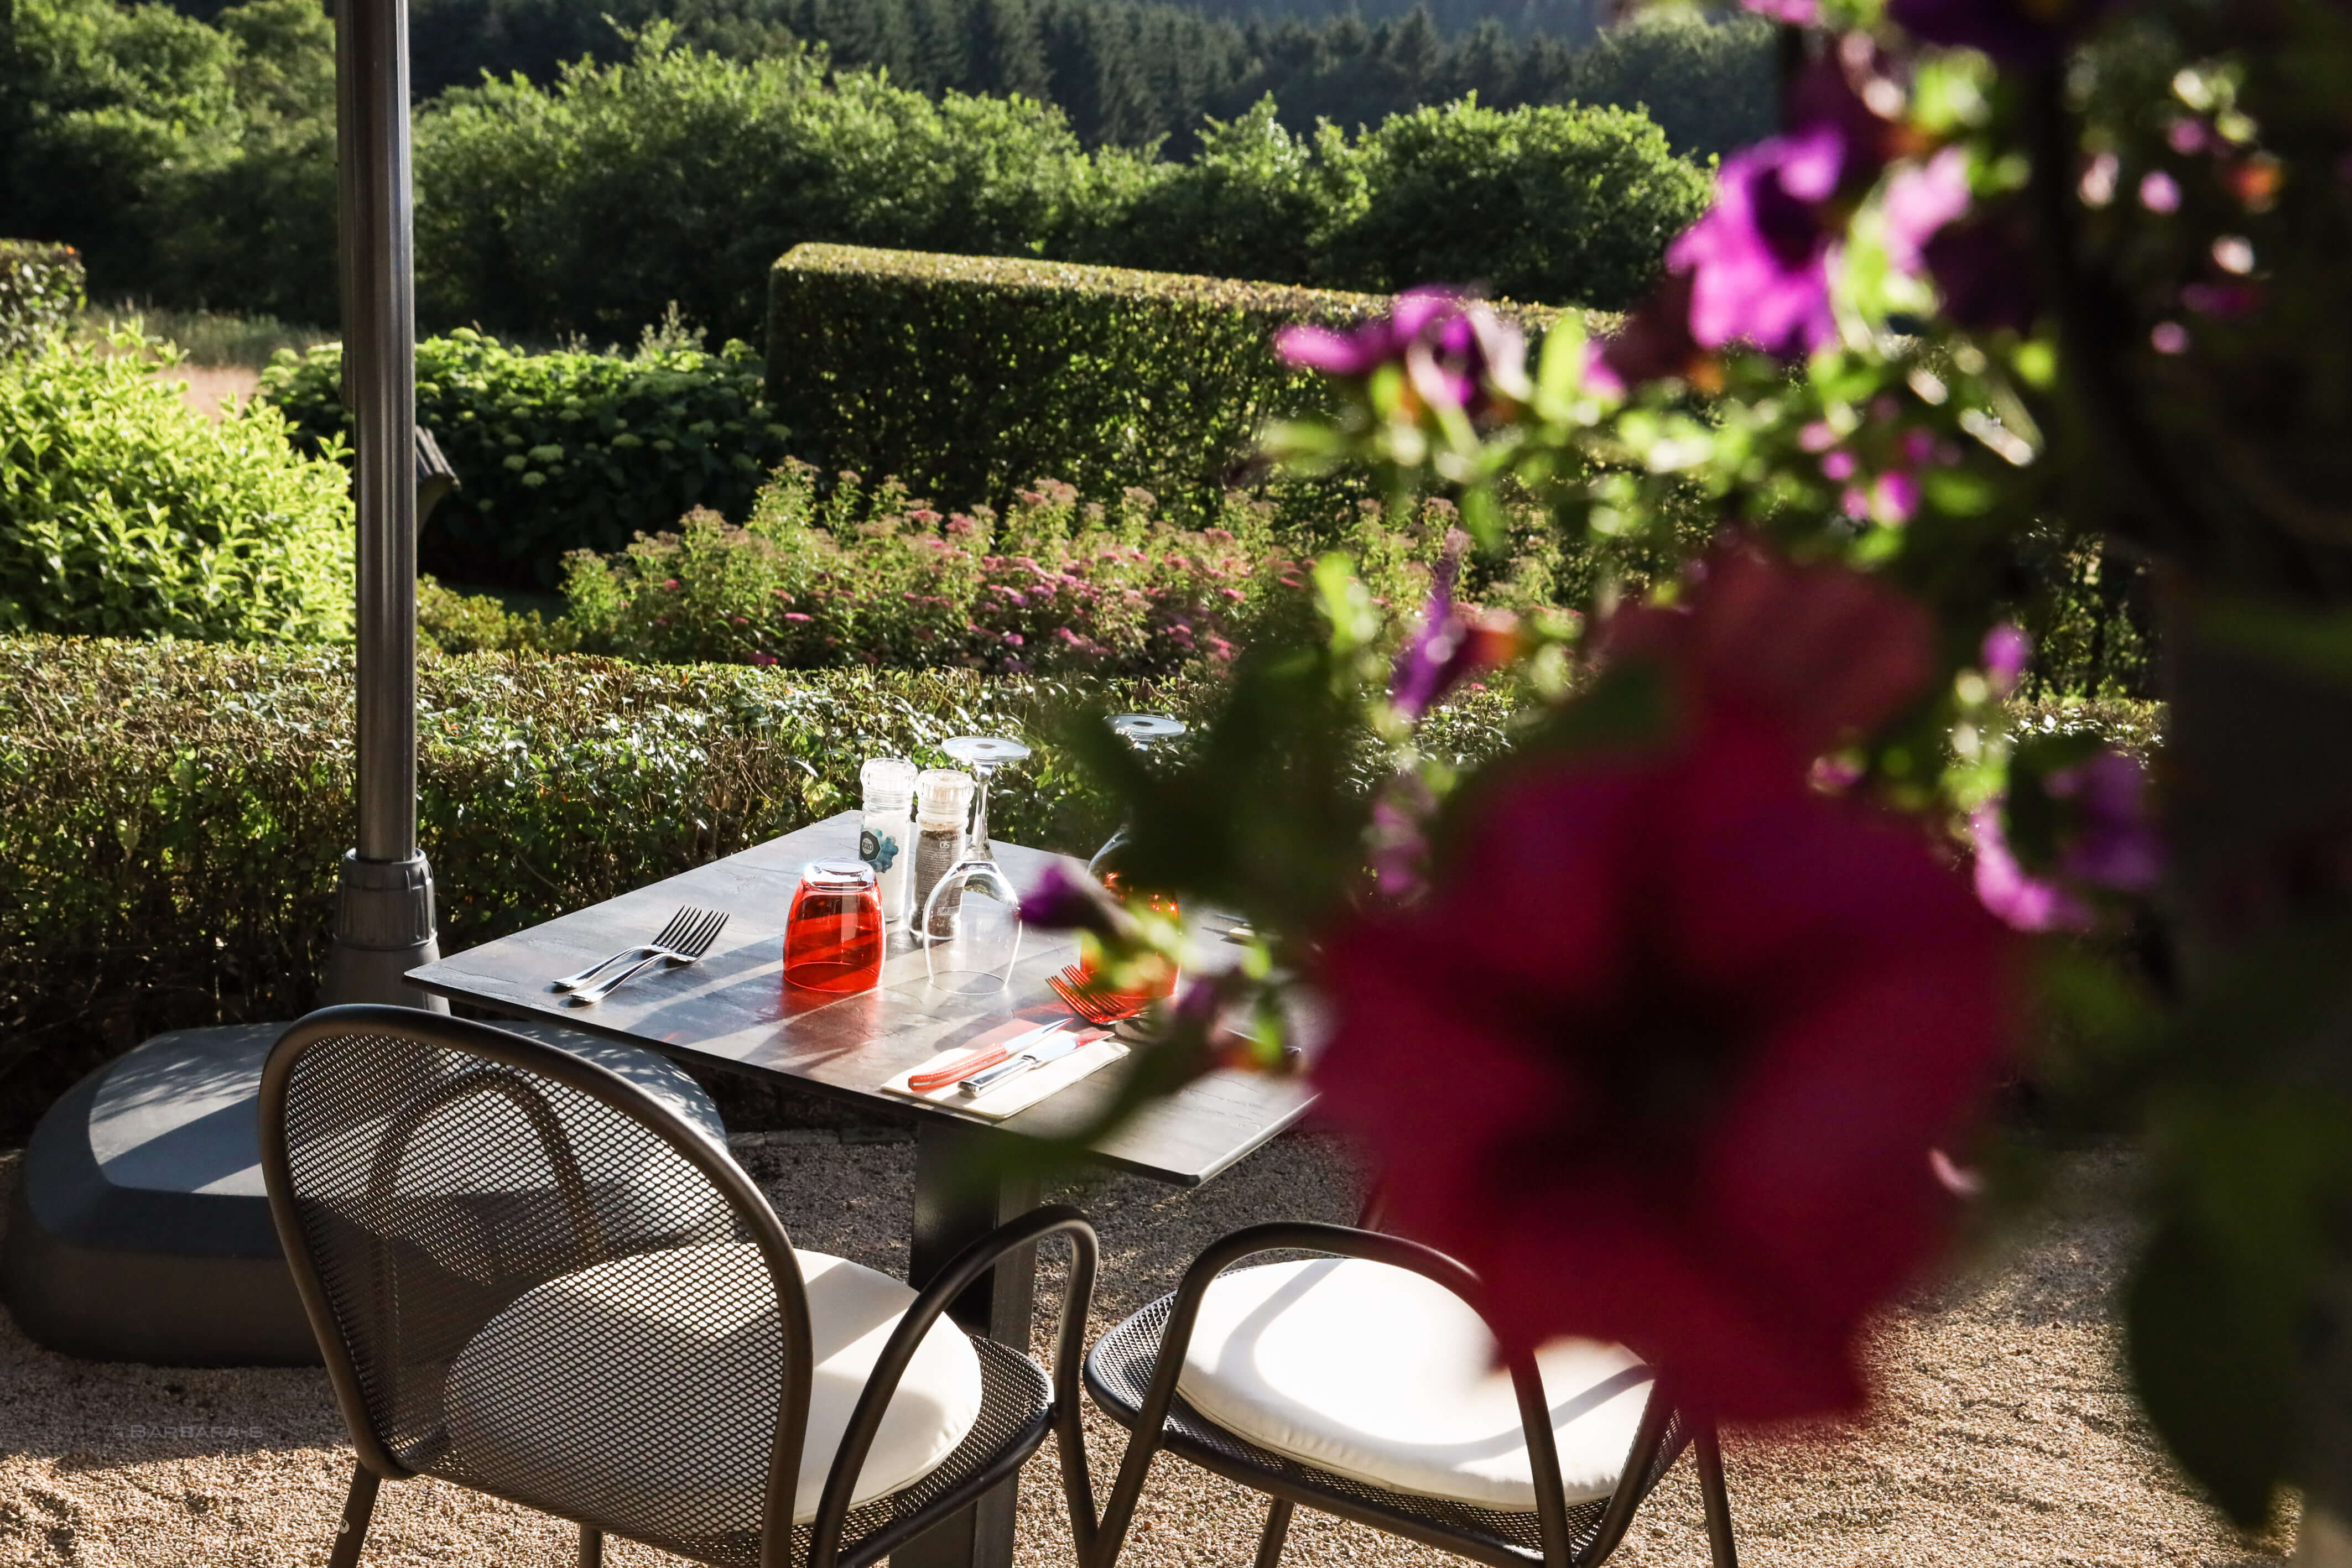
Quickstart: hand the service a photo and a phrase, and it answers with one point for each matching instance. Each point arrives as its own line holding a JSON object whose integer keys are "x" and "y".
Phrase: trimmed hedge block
{"x": 967, "y": 376}
{"x": 41, "y": 288}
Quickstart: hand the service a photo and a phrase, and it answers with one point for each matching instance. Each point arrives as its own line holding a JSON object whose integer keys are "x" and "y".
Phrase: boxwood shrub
{"x": 563, "y": 450}
{"x": 40, "y": 291}
{"x": 125, "y": 512}
{"x": 171, "y": 814}
{"x": 967, "y": 376}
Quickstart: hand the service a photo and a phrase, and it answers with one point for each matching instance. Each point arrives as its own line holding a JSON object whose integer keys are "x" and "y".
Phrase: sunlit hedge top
{"x": 969, "y": 375}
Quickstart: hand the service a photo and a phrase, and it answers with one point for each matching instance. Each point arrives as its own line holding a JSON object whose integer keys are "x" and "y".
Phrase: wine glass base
{"x": 969, "y": 983}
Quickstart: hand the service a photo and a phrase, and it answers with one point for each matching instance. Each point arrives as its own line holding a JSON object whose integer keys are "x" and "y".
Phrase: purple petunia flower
{"x": 2107, "y": 841}
{"x": 1425, "y": 666}
{"x": 1759, "y": 258}
{"x": 1067, "y": 900}
{"x": 2115, "y": 844}
{"x": 2006, "y": 649}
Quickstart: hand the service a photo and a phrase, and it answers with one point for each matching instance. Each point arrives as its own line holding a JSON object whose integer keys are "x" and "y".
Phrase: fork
{"x": 689, "y": 946}
{"x": 1096, "y": 1009}
{"x": 667, "y": 936}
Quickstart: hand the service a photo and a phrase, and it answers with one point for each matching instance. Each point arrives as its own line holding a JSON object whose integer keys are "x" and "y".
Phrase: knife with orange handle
{"x": 981, "y": 1060}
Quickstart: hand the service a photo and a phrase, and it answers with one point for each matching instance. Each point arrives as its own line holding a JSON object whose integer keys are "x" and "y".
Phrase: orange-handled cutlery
{"x": 981, "y": 1059}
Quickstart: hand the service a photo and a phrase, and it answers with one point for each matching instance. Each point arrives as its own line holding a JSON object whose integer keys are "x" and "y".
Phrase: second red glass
{"x": 834, "y": 937}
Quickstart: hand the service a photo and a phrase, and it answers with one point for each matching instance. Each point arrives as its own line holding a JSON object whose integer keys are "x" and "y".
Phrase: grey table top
{"x": 733, "y": 1009}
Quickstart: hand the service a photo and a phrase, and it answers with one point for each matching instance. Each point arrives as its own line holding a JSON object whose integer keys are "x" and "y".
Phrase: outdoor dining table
{"x": 732, "y": 1011}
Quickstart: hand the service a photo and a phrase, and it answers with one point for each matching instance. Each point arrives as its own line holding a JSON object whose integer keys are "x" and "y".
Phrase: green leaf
{"x": 2215, "y": 1368}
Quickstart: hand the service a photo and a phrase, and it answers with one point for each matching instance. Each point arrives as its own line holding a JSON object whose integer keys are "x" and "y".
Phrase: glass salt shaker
{"x": 942, "y": 806}
{"x": 886, "y": 838}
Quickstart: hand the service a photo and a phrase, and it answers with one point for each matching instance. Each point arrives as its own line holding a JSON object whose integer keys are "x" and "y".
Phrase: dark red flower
{"x": 1803, "y": 653}
{"x": 1984, "y": 267}
{"x": 1663, "y": 1055}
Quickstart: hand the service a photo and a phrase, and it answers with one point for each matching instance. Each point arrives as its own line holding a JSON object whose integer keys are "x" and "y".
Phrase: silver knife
{"x": 1050, "y": 1050}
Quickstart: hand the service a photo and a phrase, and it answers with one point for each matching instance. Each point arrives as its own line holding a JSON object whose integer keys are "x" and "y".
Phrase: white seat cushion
{"x": 655, "y": 1378}
{"x": 1384, "y": 1376}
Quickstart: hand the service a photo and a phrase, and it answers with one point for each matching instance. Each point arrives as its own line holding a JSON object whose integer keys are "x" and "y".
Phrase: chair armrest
{"x": 882, "y": 1384}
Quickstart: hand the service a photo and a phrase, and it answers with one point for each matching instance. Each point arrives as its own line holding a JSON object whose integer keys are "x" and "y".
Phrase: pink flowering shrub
{"x": 869, "y": 575}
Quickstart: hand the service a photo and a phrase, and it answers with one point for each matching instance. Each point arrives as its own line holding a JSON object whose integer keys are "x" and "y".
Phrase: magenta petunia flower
{"x": 2006, "y": 649}
{"x": 1662, "y": 1056}
{"x": 1454, "y": 350}
{"x": 1759, "y": 258}
{"x": 2106, "y": 840}
{"x": 1920, "y": 200}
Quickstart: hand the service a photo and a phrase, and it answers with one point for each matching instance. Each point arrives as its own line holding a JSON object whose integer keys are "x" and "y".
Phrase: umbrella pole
{"x": 383, "y": 902}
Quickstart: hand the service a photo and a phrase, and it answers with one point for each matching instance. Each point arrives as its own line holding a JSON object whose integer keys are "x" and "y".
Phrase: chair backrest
{"x": 427, "y": 1175}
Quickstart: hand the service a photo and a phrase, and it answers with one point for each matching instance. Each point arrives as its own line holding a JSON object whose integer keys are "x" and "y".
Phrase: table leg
{"x": 951, "y": 1211}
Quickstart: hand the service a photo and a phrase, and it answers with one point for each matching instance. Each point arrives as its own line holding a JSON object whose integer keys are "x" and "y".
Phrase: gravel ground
{"x": 2004, "y": 1435}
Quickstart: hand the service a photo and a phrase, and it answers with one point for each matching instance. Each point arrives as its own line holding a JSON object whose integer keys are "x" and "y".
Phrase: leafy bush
{"x": 969, "y": 375}
{"x": 563, "y": 208}
{"x": 122, "y": 513}
{"x": 449, "y": 621}
{"x": 1255, "y": 201}
{"x": 589, "y": 206}
{"x": 194, "y": 165}
{"x": 188, "y": 161}
{"x": 40, "y": 291}
{"x": 1536, "y": 204}
{"x": 561, "y": 451}
{"x": 876, "y": 579}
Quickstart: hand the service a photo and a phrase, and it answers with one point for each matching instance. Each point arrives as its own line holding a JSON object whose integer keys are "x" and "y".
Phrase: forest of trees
{"x": 1128, "y": 72}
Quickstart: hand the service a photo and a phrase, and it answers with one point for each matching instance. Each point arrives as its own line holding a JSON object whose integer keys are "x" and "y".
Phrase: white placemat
{"x": 1016, "y": 1093}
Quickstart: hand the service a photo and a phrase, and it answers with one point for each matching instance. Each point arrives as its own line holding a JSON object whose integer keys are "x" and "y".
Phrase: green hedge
{"x": 41, "y": 288}
{"x": 171, "y": 814}
{"x": 966, "y": 376}
{"x": 125, "y": 512}
{"x": 562, "y": 451}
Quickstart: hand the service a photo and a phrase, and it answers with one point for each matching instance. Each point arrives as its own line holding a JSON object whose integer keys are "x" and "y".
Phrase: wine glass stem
{"x": 980, "y": 851}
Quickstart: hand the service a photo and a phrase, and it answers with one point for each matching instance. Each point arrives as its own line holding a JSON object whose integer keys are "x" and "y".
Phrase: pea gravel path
{"x": 2003, "y": 1437}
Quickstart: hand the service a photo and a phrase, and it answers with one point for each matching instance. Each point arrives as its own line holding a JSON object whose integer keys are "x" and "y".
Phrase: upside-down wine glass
{"x": 971, "y": 920}
{"x": 1142, "y": 731}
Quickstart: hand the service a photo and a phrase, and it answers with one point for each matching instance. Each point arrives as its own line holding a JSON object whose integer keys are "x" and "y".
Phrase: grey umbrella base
{"x": 140, "y": 1229}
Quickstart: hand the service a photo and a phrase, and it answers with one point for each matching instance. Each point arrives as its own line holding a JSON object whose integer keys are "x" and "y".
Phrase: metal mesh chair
{"x": 531, "y": 1277}
{"x": 1133, "y": 1370}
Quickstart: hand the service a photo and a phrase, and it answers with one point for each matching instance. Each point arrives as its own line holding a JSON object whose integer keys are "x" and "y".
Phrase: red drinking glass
{"x": 833, "y": 939}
